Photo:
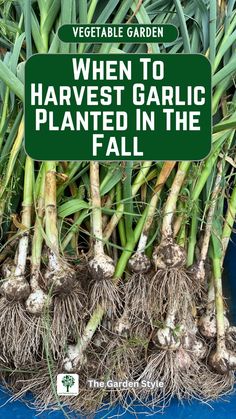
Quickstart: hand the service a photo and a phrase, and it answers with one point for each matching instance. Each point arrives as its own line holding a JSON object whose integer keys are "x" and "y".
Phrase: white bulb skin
{"x": 102, "y": 267}
{"x": 36, "y": 301}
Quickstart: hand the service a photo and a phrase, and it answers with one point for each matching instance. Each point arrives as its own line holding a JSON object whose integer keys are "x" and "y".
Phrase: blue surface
{"x": 222, "y": 409}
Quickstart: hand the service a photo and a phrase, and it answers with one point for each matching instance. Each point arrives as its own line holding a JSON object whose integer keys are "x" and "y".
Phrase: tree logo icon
{"x": 68, "y": 381}
{"x": 67, "y": 384}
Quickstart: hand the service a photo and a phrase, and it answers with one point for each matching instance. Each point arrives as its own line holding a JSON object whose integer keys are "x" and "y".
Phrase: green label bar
{"x": 118, "y": 107}
{"x": 118, "y": 33}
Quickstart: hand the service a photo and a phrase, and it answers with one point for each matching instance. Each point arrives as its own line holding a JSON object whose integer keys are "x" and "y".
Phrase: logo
{"x": 67, "y": 384}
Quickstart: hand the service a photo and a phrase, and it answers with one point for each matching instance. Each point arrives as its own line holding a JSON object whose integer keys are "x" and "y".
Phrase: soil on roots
{"x": 183, "y": 376}
{"x": 89, "y": 401}
{"x": 171, "y": 287}
{"x": 15, "y": 380}
{"x": 137, "y": 297}
{"x": 20, "y": 336}
{"x": 141, "y": 330}
{"x": 231, "y": 338}
{"x": 68, "y": 315}
{"x": 131, "y": 326}
{"x": 119, "y": 359}
{"x": 68, "y": 309}
{"x": 200, "y": 282}
{"x": 42, "y": 384}
{"x": 215, "y": 385}
{"x": 105, "y": 292}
